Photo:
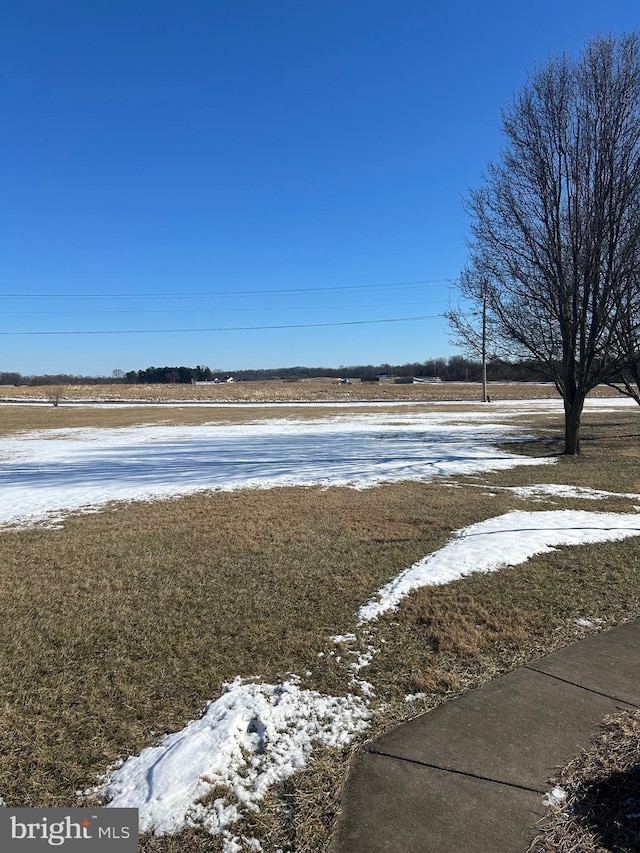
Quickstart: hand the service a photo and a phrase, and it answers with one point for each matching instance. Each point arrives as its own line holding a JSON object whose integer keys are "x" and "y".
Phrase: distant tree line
{"x": 170, "y": 375}
{"x": 13, "y": 378}
{"x": 457, "y": 368}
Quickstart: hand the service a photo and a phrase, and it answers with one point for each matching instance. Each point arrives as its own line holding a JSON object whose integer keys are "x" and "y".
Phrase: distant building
{"x": 395, "y": 380}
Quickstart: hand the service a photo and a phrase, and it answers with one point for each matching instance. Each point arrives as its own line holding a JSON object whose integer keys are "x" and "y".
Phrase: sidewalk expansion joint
{"x": 481, "y": 778}
{"x": 581, "y": 686}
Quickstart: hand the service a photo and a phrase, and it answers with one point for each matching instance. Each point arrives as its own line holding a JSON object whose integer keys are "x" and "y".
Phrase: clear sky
{"x": 175, "y": 173}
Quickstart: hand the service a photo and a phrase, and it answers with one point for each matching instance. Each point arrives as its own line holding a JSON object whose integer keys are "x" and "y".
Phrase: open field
{"x": 123, "y": 405}
{"x": 279, "y": 391}
{"x": 120, "y": 625}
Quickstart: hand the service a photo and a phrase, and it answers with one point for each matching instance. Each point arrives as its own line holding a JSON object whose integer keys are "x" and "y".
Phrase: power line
{"x": 230, "y": 328}
{"x": 217, "y": 293}
{"x": 201, "y": 310}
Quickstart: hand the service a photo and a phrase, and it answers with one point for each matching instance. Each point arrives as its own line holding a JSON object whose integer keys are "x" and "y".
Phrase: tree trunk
{"x": 572, "y": 415}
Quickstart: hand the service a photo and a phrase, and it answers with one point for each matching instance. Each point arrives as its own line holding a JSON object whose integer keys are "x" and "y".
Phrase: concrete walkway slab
{"x": 515, "y": 729}
{"x": 408, "y": 808}
{"x": 607, "y": 663}
{"x": 469, "y": 776}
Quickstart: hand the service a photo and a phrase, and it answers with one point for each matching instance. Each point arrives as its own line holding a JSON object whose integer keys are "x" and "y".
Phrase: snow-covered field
{"x": 45, "y": 475}
{"x": 256, "y": 734}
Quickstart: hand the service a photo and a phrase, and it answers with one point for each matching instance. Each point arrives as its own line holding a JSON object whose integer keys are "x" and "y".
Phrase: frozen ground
{"x": 257, "y": 734}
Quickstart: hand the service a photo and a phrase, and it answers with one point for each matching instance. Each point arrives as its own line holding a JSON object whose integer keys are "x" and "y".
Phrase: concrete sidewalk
{"x": 470, "y": 776}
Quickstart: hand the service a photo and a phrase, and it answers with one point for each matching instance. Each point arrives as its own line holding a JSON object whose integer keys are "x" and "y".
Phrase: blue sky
{"x": 183, "y": 171}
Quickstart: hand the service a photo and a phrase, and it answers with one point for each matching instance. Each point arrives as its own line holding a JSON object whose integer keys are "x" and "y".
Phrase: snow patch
{"x": 506, "y": 540}
{"x": 415, "y": 697}
{"x": 365, "y": 687}
{"x": 581, "y": 622}
{"x": 251, "y": 737}
{"x": 554, "y": 797}
{"x": 344, "y": 638}
{"x": 561, "y": 491}
{"x": 47, "y": 474}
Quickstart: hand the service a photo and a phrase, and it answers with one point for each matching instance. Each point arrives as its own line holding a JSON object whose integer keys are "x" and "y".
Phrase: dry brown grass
{"x": 601, "y": 812}
{"x": 120, "y": 626}
{"x": 21, "y": 417}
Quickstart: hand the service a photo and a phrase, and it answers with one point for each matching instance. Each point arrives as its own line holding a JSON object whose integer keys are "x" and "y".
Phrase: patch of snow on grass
{"x": 344, "y": 638}
{"x": 49, "y": 473}
{"x": 560, "y": 491}
{"x": 581, "y": 622}
{"x": 253, "y": 736}
{"x": 365, "y": 687}
{"x": 364, "y": 659}
{"x": 556, "y": 796}
{"x": 506, "y": 540}
{"x": 414, "y": 697}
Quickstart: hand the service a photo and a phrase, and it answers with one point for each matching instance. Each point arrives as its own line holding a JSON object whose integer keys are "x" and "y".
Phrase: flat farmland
{"x": 182, "y": 574}
{"x": 280, "y": 391}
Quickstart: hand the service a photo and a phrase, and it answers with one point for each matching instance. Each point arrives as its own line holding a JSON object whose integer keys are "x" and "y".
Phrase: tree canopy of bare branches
{"x": 555, "y": 247}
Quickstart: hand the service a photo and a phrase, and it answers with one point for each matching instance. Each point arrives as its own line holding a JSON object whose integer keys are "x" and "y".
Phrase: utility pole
{"x": 484, "y": 342}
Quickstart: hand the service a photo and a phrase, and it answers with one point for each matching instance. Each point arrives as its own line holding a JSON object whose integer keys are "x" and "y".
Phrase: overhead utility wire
{"x": 202, "y": 310}
{"x": 205, "y": 295}
{"x": 229, "y": 328}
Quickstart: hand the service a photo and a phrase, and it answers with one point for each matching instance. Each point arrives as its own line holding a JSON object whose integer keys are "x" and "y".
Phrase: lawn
{"x": 121, "y": 623}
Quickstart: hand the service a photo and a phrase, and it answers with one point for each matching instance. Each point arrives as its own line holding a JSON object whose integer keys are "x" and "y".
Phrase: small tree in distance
{"x": 555, "y": 248}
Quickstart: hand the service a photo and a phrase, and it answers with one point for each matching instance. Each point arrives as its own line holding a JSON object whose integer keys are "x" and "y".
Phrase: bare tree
{"x": 556, "y": 224}
{"x": 56, "y": 393}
